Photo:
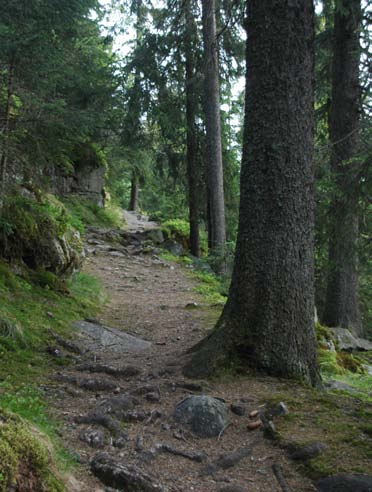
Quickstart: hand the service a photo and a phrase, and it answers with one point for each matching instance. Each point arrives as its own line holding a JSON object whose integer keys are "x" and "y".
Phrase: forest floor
{"x": 155, "y": 300}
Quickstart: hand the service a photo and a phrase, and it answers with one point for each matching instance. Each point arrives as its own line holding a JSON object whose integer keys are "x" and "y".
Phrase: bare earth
{"x": 147, "y": 298}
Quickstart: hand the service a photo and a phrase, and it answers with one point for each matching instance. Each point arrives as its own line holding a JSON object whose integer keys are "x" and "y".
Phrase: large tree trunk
{"x": 191, "y": 109}
{"x": 342, "y": 304}
{"x": 217, "y": 229}
{"x": 134, "y": 190}
{"x": 268, "y": 321}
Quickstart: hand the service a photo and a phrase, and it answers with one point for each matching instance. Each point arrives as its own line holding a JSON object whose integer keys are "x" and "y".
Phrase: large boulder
{"x": 348, "y": 342}
{"x": 39, "y": 234}
{"x": 206, "y": 416}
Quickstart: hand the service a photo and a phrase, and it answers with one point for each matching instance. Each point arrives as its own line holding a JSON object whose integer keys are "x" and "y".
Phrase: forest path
{"x": 127, "y": 408}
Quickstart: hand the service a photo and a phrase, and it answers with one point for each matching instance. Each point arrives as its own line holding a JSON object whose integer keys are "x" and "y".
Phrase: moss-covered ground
{"x": 30, "y": 313}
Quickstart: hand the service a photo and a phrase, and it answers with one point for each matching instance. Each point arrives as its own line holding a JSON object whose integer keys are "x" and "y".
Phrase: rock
{"x": 189, "y": 386}
{"x": 277, "y": 410}
{"x": 231, "y": 488}
{"x": 338, "y": 385}
{"x": 368, "y": 369}
{"x": 120, "y": 442}
{"x": 112, "y": 338}
{"x": 153, "y": 397}
{"x": 173, "y": 247}
{"x": 97, "y": 384}
{"x": 155, "y": 235}
{"x": 348, "y": 342}
{"x": 122, "y": 477}
{"x": 205, "y": 415}
{"x": 192, "y": 305}
{"x": 117, "y": 405}
{"x": 94, "y": 437}
{"x": 308, "y": 452}
{"x": 238, "y": 409}
{"x": 345, "y": 483}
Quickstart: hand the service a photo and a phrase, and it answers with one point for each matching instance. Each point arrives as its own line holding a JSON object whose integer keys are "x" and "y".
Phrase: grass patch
{"x": 84, "y": 212}
{"x": 333, "y": 419}
{"x": 29, "y": 314}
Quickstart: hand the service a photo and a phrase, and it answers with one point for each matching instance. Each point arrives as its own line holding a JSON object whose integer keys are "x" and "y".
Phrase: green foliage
{"x": 84, "y": 212}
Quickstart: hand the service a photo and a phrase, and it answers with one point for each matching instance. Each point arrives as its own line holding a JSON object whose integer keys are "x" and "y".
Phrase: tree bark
{"x": 268, "y": 321}
{"x": 134, "y": 191}
{"x": 6, "y": 131}
{"x": 342, "y": 302}
{"x": 191, "y": 110}
{"x": 217, "y": 229}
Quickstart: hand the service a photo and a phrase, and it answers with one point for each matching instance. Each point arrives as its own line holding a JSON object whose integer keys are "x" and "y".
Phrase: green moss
{"x": 84, "y": 212}
{"x": 24, "y": 455}
{"x": 350, "y": 362}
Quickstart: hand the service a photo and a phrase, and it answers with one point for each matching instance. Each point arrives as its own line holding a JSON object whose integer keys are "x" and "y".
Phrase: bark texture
{"x": 191, "y": 109}
{"x": 342, "y": 303}
{"x": 134, "y": 191}
{"x": 217, "y": 226}
{"x": 6, "y": 130}
{"x": 268, "y": 321}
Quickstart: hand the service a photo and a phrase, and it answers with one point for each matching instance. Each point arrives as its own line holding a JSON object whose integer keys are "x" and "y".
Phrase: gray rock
{"x": 205, "y": 415}
{"x": 155, "y": 235}
{"x": 338, "y": 385}
{"x": 118, "y": 406}
{"x": 173, "y": 247}
{"x": 112, "y": 338}
{"x": 348, "y": 342}
{"x": 309, "y": 451}
{"x": 94, "y": 437}
{"x": 345, "y": 483}
{"x": 368, "y": 369}
{"x": 238, "y": 409}
{"x": 122, "y": 477}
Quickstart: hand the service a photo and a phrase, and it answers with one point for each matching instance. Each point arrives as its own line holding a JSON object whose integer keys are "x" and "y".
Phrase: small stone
{"x": 253, "y": 414}
{"x": 94, "y": 437}
{"x": 153, "y": 397}
{"x": 120, "y": 442}
{"x": 238, "y": 409}
{"x": 309, "y": 451}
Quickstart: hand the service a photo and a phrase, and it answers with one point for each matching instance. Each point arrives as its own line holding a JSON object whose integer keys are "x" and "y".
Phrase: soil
{"x": 150, "y": 298}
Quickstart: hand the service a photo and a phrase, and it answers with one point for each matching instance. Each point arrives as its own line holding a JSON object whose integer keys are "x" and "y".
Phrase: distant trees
{"x": 56, "y": 83}
{"x": 268, "y": 321}
{"x": 342, "y": 302}
{"x": 214, "y": 166}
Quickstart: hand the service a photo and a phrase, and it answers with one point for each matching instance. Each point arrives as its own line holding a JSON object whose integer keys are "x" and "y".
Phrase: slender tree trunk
{"x": 6, "y": 131}
{"x": 134, "y": 190}
{"x": 342, "y": 303}
{"x": 191, "y": 109}
{"x": 268, "y": 321}
{"x": 217, "y": 228}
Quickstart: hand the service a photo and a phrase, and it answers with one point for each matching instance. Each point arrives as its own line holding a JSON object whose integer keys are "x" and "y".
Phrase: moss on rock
{"x": 26, "y": 461}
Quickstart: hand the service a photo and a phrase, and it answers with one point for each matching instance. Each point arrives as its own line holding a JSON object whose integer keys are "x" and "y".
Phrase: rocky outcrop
{"x": 86, "y": 179}
{"x": 39, "y": 235}
{"x": 348, "y": 342}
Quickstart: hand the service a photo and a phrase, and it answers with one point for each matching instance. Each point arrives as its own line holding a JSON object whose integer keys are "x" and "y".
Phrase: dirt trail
{"x": 148, "y": 298}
